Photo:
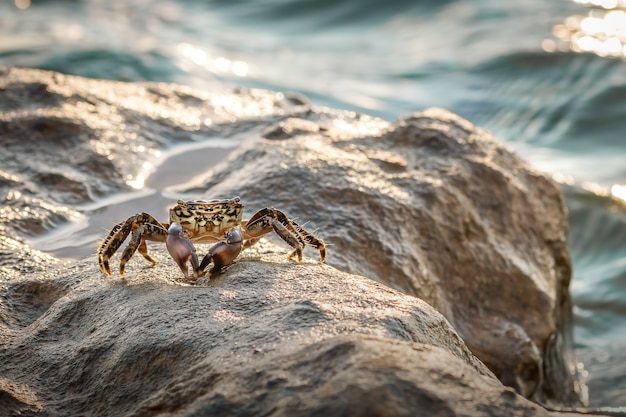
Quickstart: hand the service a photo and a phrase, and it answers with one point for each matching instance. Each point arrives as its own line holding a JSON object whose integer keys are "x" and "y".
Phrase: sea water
{"x": 546, "y": 77}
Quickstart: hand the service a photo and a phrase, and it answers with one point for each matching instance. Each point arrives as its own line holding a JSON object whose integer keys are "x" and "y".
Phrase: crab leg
{"x": 143, "y": 227}
{"x": 108, "y": 247}
{"x": 311, "y": 240}
{"x": 269, "y": 219}
{"x": 138, "y": 241}
{"x": 293, "y": 239}
{"x": 143, "y": 250}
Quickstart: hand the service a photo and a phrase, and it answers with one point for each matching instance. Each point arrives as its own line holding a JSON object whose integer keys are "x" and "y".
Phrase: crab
{"x": 204, "y": 222}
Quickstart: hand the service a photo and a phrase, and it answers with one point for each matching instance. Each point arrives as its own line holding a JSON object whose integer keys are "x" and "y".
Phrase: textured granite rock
{"x": 429, "y": 205}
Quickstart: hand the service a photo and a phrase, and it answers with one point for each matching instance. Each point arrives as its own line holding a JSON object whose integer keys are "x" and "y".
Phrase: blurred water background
{"x": 546, "y": 77}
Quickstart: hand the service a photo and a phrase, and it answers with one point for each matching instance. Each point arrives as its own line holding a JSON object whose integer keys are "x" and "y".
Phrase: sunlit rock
{"x": 434, "y": 207}
{"x": 429, "y": 205}
{"x": 268, "y": 337}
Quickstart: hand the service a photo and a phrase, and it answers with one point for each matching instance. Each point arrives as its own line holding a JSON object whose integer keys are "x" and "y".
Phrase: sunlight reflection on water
{"x": 214, "y": 64}
{"x": 601, "y": 31}
{"x": 619, "y": 191}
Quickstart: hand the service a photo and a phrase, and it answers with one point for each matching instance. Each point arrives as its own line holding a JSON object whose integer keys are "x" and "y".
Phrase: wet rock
{"x": 428, "y": 205}
{"x": 69, "y": 140}
{"x": 269, "y": 336}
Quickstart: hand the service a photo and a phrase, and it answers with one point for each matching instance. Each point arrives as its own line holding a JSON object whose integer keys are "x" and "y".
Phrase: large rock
{"x": 428, "y": 205}
{"x": 436, "y": 208}
{"x": 267, "y": 337}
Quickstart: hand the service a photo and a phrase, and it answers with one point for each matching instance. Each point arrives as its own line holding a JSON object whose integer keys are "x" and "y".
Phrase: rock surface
{"x": 267, "y": 337}
{"x": 429, "y": 205}
{"x": 436, "y": 208}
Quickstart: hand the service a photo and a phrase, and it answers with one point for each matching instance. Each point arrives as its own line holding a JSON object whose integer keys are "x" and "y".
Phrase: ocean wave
{"x": 597, "y": 242}
{"x": 552, "y": 99}
{"x": 310, "y": 15}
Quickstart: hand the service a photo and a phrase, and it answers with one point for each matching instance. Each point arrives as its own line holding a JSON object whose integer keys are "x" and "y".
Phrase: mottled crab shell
{"x": 208, "y": 219}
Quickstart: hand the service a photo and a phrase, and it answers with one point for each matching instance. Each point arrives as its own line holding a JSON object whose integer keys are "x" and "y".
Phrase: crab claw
{"x": 182, "y": 250}
{"x": 224, "y": 253}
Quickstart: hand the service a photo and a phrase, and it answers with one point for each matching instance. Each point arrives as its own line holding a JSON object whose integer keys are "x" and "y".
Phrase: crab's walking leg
{"x": 108, "y": 247}
{"x": 143, "y": 227}
{"x": 224, "y": 253}
{"x": 311, "y": 240}
{"x": 145, "y": 231}
{"x": 267, "y": 220}
{"x": 270, "y": 219}
{"x": 143, "y": 250}
{"x": 293, "y": 239}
